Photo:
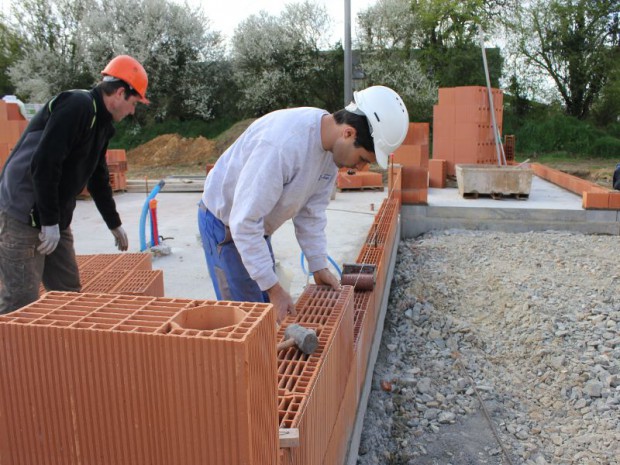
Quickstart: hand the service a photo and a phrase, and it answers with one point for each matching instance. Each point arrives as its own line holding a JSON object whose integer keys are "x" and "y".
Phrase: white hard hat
{"x": 387, "y": 117}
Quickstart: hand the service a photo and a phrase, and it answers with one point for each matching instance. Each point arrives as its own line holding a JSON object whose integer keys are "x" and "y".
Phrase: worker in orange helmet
{"x": 62, "y": 151}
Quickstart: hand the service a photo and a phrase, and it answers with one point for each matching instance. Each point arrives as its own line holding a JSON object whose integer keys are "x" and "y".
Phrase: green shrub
{"x": 607, "y": 146}
{"x": 557, "y": 132}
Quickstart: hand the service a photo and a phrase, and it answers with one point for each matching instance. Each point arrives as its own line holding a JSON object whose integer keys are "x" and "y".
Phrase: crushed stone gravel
{"x": 499, "y": 348}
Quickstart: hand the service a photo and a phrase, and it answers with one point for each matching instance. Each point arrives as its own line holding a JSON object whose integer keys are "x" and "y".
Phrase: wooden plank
{"x": 289, "y": 437}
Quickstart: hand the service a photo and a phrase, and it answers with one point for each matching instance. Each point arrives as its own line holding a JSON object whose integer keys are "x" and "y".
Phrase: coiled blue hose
{"x": 331, "y": 260}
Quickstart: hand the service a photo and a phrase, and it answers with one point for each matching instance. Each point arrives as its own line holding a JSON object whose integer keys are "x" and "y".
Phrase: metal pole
{"x": 499, "y": 148}
{"x": 348, "y": 61}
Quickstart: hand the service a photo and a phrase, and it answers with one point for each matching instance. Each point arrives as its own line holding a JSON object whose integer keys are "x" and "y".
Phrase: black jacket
{"x": 61, "y": 151}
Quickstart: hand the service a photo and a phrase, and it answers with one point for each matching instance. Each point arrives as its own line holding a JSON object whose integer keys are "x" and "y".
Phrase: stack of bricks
{"x": 117, "y": 165}
{"x": 116, "y": 160}
{"x": 414, "y": 149}
{"x": 319, "y": 394}
{"x": 412, "y": 157}
{"x": 101, "y": 379}
{"x": 126, "y": 273}
{"x": 311, "y": 388}
{"x": 352, "y": 179}
{"x": 463, "y": 127}
{"x": 12, "y": 125}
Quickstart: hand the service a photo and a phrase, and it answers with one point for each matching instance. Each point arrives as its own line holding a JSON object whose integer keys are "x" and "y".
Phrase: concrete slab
{"x": 548, "y": 207}
{"x": 349, "y": 218}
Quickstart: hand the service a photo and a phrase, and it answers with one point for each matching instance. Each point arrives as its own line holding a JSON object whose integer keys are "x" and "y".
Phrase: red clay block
{"x": 411, "y": 155}
{"x": 470, "y": 95}
{"x": 415, "y": 196}
{"x": 443, "y": 149}
{"x": 614, "y": 200}
{"x": 319, "y": 410}
{"x": 348, "y": 181}
{"x": 371, "y": 179}
{"x": 477, "y": 96}
{"x": 106, "y": 380}
{"x": 443, "y": 114}
{"x": 116, "y": 156}
{"x": 472, "y": 114}
{"x": 4, "y": 116}
{"x": 14, "y": 131}
{"x": 4, "y": 153}
{"x": 595, "y": 200}
{"x": 141, "y": 282}
{"x": 437, "y": 173}
{"x": 13, "y": 113}
{"x": 418, "y": 134}
{"x": 414, "y": 177}
{"x": 343, "y": 428}
{"x": 446, "y": 95}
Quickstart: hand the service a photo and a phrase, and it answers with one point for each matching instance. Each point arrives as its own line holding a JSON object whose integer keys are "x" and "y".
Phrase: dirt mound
{"x": 226, "y": 139}
{"x": 173, "y": 150}
{"x": 172, "y": 154}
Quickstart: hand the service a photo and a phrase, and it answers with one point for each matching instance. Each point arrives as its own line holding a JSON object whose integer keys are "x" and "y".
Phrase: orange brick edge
{"x": 593, "y": 195}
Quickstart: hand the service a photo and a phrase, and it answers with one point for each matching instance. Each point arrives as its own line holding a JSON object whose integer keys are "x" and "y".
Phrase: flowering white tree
{"x": 53, "y": 54}
{"x": 388, "y": 24}
{"x": 388, "y": 33}
{"x": 173, "y": 42}
{"x": 278, "y": 61}
{"x": 69, "y": 42}
{"x": 408, "y": 79}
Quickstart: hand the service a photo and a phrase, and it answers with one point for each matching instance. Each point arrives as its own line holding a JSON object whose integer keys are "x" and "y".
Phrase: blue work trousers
{"x": 231, "y": 280}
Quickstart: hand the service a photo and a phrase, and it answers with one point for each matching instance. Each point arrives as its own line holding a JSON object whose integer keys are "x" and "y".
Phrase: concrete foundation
{"x": 548, "y": 208}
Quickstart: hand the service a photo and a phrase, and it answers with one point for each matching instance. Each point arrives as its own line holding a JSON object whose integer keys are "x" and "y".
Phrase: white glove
{"x": 49, "y": 237}
{"x": 120, "y": 238}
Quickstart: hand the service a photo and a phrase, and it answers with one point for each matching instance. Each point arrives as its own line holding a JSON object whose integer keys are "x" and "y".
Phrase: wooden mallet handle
{"x": 285, "y": 344}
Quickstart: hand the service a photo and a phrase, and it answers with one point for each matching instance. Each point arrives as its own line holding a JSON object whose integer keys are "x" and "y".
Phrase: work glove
{"x": 49, "y": 237}
{"x": 120, "y": 238}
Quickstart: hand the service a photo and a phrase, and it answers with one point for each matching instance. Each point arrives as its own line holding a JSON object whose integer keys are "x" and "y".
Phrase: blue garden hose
{"x": 145, "y": 210}
{"x": 331, "y": 260}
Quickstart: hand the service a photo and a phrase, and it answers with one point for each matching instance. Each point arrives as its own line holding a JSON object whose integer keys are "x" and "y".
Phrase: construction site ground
{"x": 447, "y": 343}
{"x": 349, "y": 218}
{"x": 461, "y": 435}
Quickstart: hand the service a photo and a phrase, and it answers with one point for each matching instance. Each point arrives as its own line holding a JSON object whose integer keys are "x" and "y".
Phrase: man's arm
{"x": 101, "y": 192}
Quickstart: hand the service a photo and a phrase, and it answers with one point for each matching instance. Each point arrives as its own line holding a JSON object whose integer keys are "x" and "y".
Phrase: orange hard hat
{"x": 129, "y": 70}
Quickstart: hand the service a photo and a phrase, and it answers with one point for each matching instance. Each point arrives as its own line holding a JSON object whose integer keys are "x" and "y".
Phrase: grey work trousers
{"x": 23, "y": 268}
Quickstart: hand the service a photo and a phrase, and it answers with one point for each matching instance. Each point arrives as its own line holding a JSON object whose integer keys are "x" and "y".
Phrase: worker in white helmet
{"x": 284, "y": 166}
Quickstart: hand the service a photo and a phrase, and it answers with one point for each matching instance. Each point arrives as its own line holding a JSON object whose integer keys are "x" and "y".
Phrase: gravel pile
{"x": 499, "y": 348}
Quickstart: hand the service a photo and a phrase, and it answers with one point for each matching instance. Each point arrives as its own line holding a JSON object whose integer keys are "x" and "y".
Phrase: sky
{"x": 225, "y": 15}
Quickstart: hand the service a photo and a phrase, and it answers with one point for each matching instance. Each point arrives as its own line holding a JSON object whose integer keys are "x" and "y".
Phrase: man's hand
{"x": 325, "y": 277}
{"x": 120, "y": 238}
{"x": 282, "y": 302}
{"x": 49, "y": 237}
